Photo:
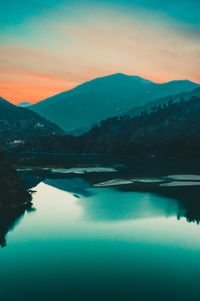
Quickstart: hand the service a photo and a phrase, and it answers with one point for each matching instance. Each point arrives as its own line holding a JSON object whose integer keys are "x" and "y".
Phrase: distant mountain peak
{"x": 122, "y": 76}
{"x": 119, "y": 74}
{"x": 24, "y": 104}
{"x": 185, "y": 80}
{"x": 104, "y": 97}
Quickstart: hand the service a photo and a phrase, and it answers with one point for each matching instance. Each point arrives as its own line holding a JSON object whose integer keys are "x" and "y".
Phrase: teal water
{"x": 86, "y": 243}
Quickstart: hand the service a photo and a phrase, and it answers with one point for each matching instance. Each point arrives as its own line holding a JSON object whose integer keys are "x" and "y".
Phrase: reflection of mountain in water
{"x": 188, "y": 200}
{"x": 9, "y": 218}
{"x": 69, "y": 183}
{"x": 111, "y": 205}
{"x": 30, "y": 180}
{"x": 74, "y": 185}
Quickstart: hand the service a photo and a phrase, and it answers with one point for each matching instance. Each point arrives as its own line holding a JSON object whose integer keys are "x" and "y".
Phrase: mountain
{"x": 76, "y": 110}
{"x": 19, "y": 124}
{"x": 171, "y": 130}
{"x": 24, "y": 104}
{"x": 150, "y": 106}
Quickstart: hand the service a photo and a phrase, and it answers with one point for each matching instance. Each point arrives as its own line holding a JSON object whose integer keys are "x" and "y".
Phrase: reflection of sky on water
{"x": 125, "y": 245}
{"x": 72, "y": 207}
{"x": 106, "y": 214}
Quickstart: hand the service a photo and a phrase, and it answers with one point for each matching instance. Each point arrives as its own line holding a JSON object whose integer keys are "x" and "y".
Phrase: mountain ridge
{"x": 18, "y": 124}
{"x": 104, "y": 97}
{"x": 170, "y": 131}
{"x": 183, "y": 96}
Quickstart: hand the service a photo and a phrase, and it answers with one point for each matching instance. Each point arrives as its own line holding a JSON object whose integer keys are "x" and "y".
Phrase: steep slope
{"x": 150, "y": 106}
{"x": 19, "y": 124}
{"x": 77, "y": 110}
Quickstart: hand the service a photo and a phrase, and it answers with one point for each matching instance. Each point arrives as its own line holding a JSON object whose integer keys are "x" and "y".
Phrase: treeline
{"x": 169, "y": 130}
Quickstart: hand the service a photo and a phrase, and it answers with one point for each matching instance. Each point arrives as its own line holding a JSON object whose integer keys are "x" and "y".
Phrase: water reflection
{"x": 9, "y": 218}
{"x": 74, "y": 185}
{"x": 113, "y": 204}
{"x": 110, "y": 243}
{"x": 188, "y": 200}
{"x": 31, "y": 180}
{"x": 178, "y": 201}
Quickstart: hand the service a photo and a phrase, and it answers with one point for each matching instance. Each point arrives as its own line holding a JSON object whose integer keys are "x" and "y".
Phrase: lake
{"x": 81, "y": 242}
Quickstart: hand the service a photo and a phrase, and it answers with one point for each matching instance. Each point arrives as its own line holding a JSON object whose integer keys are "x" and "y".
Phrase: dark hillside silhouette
{"x": 169, "y": 130}
{"x": 76, "y": 110}
{"x": 18, "y": 124}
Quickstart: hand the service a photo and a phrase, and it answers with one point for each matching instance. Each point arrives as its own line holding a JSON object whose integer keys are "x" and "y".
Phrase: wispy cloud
{"x": 80, "y": 43}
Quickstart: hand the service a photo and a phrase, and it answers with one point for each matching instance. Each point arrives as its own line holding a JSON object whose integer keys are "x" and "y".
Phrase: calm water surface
{"x": 86, "y": 243}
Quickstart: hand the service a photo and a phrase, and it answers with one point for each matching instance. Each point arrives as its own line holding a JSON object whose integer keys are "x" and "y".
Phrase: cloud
{"x": 155, "y": 49}
{"x": 78, "y": 44}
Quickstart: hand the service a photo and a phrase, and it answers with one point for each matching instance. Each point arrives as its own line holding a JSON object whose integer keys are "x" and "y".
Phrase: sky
{"x": 50, "y": 46}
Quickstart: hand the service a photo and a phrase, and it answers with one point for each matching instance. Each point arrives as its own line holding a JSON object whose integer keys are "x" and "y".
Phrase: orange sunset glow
{"x": 44, "y": 57}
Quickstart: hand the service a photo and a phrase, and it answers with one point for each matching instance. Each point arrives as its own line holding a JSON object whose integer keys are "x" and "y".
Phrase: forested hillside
{"x": 19, "y": 124}
{"x": 76, "y": 110}
{"x": 170, "y": 130}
